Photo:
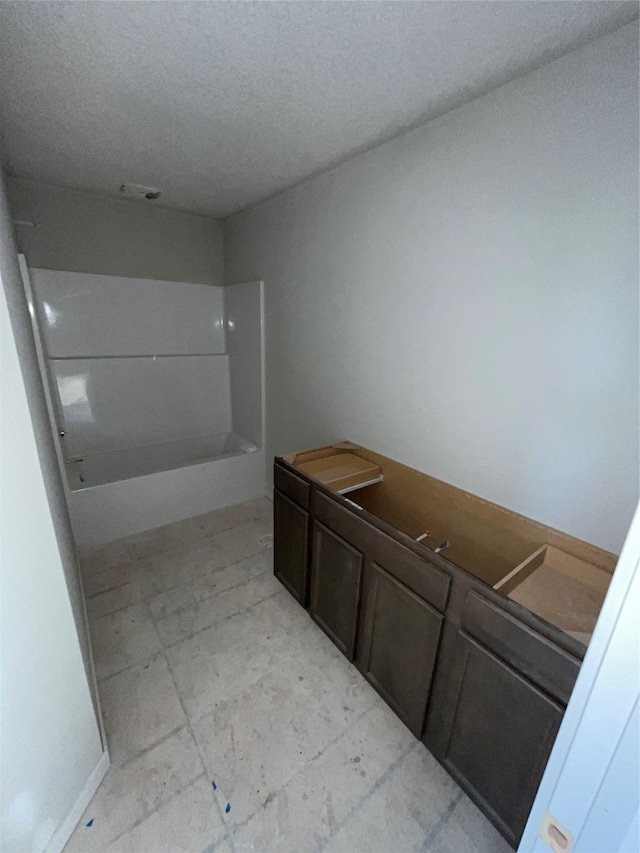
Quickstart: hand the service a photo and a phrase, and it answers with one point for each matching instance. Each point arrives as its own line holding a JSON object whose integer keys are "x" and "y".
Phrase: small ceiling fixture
{"x": 138, "y": 191}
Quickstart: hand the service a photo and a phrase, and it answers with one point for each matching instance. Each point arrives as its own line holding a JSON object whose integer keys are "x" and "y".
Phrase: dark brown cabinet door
{"x": 399, "y": 644}
{"x": 501, "y": 729}
{"x": 290, "y": 544}
{"x": 336, "y": 578}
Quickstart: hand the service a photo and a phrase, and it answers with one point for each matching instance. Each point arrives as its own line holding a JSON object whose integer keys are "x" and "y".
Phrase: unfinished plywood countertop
{"x": 564, "y": 590}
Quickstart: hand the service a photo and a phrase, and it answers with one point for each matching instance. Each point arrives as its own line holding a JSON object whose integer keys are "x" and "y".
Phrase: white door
{"x": 588, "y": 798}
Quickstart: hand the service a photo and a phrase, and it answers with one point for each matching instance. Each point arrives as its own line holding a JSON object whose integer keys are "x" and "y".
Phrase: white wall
{"x": 49, "y": 736}
{"x": 465, "y": 297}
{"x": 86, "y": 232}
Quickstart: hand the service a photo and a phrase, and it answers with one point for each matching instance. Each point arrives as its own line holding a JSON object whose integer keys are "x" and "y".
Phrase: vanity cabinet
{"x": 445, "y": 638}
{"x": 291, "y": 536}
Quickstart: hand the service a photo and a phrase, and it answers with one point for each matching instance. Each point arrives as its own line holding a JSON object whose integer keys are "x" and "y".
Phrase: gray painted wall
{"x": 85, "y": 232}
{"x": 465, "y": 297}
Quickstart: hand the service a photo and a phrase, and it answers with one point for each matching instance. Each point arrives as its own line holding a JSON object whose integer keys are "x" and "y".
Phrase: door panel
{"x": 336, "y": 578}
{"x": 399, "y": 647}
{"x": 501, "y": 731}
{"x": 290, "y": 542}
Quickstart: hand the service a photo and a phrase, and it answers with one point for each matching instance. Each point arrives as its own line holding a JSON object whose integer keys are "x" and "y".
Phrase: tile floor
{"x": 233, "y": 722}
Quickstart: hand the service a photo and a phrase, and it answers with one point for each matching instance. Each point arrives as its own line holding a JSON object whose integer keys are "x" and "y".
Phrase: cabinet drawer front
{"x": 416, "y": 573}
{"x": 336, "y": 580}
{"x": 420, "y": 576}
{"x": 400, "y": 643}
{"x": 290, "y": 485}
{"x": 290, "y": 546}
{"x": 501, "y": 733}
{"x": 544, "y": 663}
{"x": 347, "y": 523}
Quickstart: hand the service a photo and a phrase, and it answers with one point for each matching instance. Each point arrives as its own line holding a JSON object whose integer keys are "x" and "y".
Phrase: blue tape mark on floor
{"x": 228, "y": 808}
{"x": 90, "y": 822}
{"x": 213, "y": 785}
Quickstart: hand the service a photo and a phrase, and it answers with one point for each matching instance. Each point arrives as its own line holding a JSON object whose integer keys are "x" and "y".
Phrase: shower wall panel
{"x": 83, "y": 314}
{"x": 132, "y": 362}
{"x": 244, "y": 310}
{"x": 115, "y": 403}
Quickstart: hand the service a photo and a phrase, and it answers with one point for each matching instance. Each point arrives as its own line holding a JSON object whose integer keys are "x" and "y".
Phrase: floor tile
{"x": 232, "y": 516}
{"x": 108, "y": 579}
{"x": 128, "y": 793}
{"x": 255, "y": 742}
{"x": 430, "y": 793}
{"x": 466, "y": 830}
{"x": 188, "y": 823}
{"x": 324, "y": 792}
{"x": 140, "y": 706}
{"x": 151, "y": 542}
{"x": 220, "y": 661}
{"x": 381, "y": 824}
{"x": 402, "y": 810}
{"x": 243, "y": 541}
{"x": 210, "y": 584}
{"x": 190, "y": 620}
{"x": 103, "y": 603}
{"x": 122, "y": 639}
{"x": 106, "y": 557}
{"x": 195, "y": 664}
{"x": 180, "y": 564}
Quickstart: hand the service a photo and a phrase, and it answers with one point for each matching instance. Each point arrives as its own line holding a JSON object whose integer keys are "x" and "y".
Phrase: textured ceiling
{"x": 222, "y": 104}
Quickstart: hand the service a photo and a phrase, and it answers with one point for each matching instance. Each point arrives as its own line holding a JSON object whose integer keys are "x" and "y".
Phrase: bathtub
{"x": 121, "y": 492}
{"x": 98, "y": 469}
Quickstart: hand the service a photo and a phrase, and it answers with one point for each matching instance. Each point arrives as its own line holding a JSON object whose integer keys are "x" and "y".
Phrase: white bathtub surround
{"x": 104, "y": 315}
{"x": 145, "y": 395}
{"x": 133, "y": 362}
{"x": 116, "y": 403}
{"x": 244, "y": 310}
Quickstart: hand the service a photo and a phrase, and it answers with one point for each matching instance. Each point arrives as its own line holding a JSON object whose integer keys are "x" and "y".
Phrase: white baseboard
{"x": 63, "y": 832}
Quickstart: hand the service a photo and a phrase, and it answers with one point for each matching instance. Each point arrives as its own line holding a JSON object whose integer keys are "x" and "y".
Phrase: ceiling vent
{"x": 138, "y": 191}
